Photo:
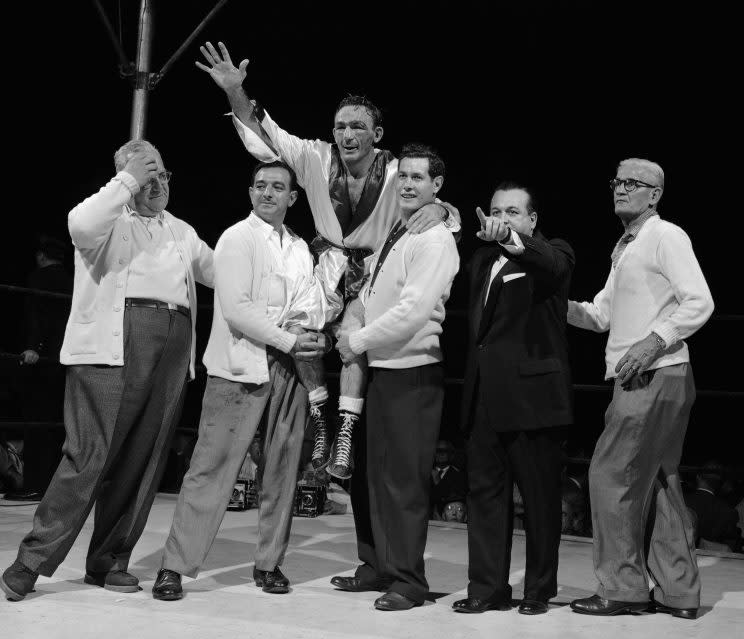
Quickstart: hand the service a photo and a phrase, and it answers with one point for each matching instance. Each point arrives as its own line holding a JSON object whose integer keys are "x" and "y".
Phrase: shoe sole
{"x": 477, "y": 612}
{"x": 674, "y": 613}
{"x": 386, "y": 609}
{"x": 10, "y": 594}
{"x": 620, "y": 611}
{"x": 175, "y": 596}
{"x": 334, "y": 473}
{"x": 92, "y": 582}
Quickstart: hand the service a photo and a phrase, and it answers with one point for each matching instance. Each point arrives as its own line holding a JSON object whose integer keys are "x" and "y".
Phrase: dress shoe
{"x": 167, "y": 586}
{"x": 272, "y": 581}
{"x": 471, "y": 605}
{"x": 682, "y": 613}
{"x": 116, "y": 581}
{"x": 596, "y": 605}
{"x": 395, "y": 601}
{"x": 533, "y": 607}
{"x": 17, "y": 581}
{"x": 354, "y": 584}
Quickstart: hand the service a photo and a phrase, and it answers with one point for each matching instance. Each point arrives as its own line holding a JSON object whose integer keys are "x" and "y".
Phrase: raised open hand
{"x": 227, "y": 76}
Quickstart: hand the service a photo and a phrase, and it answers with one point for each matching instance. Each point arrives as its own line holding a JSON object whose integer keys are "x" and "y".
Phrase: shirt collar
{"x": 158, "y": 216}
{"x": 635, "y": 226}
{"x": 266, "y": 229}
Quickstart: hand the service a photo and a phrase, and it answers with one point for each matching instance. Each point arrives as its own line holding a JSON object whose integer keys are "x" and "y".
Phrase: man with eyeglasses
{"x": 655, "y": 297}
{"x": 129, "y": 350}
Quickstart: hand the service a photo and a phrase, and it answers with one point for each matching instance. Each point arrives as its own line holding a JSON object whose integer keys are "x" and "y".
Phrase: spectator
{"x": 573, "y": 507}
{"x": 448, "y": 485}
{"x": 43, "y": 383}
{"x": 717, "y": 521}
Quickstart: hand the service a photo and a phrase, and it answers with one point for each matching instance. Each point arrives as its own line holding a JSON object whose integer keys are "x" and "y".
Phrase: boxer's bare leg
{"x": 312, "y": 377}
{"x": 353, "y": 384}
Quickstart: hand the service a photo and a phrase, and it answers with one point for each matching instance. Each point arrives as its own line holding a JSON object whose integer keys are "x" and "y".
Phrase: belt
{"x": 161, "y": 306}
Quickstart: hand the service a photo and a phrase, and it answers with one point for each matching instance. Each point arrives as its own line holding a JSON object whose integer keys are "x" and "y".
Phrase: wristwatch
{"x": 659, "y": 340}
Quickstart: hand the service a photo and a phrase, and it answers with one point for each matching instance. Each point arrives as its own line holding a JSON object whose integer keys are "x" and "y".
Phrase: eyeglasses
{"x": 630, "y": 184}
{"x": 163, "y": 176}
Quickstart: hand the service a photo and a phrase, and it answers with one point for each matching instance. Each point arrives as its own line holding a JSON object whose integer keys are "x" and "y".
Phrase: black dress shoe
{"x": 472, "y": 605}
{"x": 167, "y": 586}
{"x": 596, "y": 605}
{"x": 355, "y": 584}
{"x": 272, "y": 581}
{"x": 533, "y": 607}
{"x": 395, "y": 601}
{"x": 682, "y": 613}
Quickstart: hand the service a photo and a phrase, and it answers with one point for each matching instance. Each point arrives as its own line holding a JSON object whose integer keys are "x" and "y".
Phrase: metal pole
{"x": 142, "y": 85}
{"x": 124, "y": 64}
{"x": 191, "y": 38}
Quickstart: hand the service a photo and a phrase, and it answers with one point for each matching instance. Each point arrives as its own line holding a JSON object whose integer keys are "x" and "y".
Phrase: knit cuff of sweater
{"x": 127, "y": 179}
{"x": 285, "y": 341}
{"x": 356, "y": 342}
{"x": 667, "y": 332}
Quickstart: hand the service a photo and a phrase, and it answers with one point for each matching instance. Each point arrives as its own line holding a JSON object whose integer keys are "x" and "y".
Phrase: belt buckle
{"x": 172, "y": 307}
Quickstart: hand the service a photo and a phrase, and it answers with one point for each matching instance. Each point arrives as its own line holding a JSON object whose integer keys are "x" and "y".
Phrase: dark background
{"x": 551, "y": 93}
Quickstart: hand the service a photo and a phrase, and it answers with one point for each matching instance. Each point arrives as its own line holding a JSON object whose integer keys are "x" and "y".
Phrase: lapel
{"x": 493, "y": 295}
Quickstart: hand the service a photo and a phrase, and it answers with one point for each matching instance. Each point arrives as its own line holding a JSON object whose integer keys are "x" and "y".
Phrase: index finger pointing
{"x": 481, "y": 216}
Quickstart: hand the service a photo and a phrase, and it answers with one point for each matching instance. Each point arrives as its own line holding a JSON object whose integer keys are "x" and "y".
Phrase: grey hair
{"x": 120, "y": 157}
{"x": 653, "y": 168}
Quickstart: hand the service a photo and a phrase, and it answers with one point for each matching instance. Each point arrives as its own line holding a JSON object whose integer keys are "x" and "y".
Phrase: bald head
{"x": 644, "y": 170}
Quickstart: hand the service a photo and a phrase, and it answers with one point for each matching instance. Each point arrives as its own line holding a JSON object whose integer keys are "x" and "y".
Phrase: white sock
{"x": 351, "y": 404}
{"x": 318, "y": 395}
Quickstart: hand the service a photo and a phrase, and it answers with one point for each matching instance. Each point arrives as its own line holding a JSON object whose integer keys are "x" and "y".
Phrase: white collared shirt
{"x": 156, "y": 271}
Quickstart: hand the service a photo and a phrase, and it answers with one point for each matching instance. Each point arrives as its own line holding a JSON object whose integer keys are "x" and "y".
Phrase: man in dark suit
{"x": 516, "y": 395}
{"x": 717, "y": 521}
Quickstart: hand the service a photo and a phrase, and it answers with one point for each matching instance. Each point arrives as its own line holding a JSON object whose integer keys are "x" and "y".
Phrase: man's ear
{"x": 378, "y": 134}
{"x": 438, "y": 181}
{"x": 292, "y": 198}
{"x": 533, "y": 218}
{"x": 655, "y": 195}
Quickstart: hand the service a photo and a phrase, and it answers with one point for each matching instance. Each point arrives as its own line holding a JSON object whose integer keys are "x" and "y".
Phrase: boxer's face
{"x": 355, "y": 133}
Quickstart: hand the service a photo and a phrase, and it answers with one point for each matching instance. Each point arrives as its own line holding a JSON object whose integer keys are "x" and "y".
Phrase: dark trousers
{"x": 640, "y": 520}
{"x": 118, "y": 421}
{"x": 404, "y": 410}
{"x": 496, "y": 460}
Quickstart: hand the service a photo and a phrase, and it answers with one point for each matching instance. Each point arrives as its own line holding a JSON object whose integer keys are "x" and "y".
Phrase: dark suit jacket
{"x": 717, "y": 521}
{"x": 452, "y": 487}
{"x": 517, "y": 365}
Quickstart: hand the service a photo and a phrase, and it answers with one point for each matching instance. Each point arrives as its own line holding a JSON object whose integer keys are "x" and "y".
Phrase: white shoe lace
{"x": 343, "y": 440}
{"x": 321, "y": 433}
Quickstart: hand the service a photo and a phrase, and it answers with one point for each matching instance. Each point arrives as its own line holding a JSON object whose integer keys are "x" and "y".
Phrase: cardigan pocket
{"x": 84, "y": 333}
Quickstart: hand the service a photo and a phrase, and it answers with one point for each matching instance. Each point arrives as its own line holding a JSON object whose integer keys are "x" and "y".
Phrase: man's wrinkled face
{"x": 415, "y": 186}
{"x": 633, "y": 203}
{"x": 271, "y": 195}
{"x": 355, "y": 133}
{"x": 153, "y": 197}
{"x": 512, "y": 208}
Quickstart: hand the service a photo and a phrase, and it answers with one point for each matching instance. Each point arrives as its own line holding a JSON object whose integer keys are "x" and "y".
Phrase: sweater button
{"x": 124, "y": 237}
{"x": 116, "y": 355}
{"x": 117, "y": 309}
{"x": 116, "y": 332}
{"x": 121, "y": 261}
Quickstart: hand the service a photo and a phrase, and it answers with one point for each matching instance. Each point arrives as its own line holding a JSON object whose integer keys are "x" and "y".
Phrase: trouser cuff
{"x": 640, "y": 595}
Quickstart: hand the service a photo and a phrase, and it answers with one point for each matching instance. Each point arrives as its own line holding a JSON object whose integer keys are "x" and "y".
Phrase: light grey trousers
{"x": 641, "y": 524}
{"x": 231, "y": 414}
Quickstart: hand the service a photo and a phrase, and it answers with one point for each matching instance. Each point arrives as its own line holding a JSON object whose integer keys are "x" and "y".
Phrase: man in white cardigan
{"x": 263, "y": 281}
{"x": 403, "y": 300}
{"x": 129, "y": 349}
{"x": 654, "y": 298}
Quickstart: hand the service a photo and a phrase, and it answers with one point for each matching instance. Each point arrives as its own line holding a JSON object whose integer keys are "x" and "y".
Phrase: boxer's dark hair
{"x": 361, "y": 101}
